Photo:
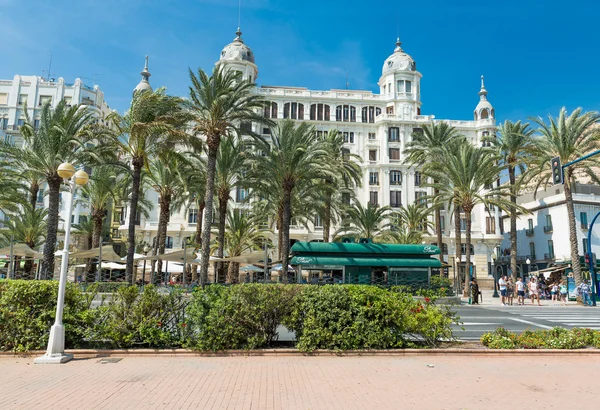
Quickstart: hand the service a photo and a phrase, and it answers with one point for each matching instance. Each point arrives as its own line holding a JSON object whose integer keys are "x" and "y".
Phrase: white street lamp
{"x": 528, "y": 262}
{"x": 55, "y": 353}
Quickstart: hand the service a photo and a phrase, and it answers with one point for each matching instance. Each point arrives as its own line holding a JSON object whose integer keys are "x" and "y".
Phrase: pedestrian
{"x": 554, "y": 292}
{"x": 502, "y": 286}
{"x": 510, "y": 291}
{"x": 533, "y": 291}
{"x": 562, "y": 288}
{"x": 583, "y": 290}
{"x": 474, "y": 292}
{"x": 520, "y": 291}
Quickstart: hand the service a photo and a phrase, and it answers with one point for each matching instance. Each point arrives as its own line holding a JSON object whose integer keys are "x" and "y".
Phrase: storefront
{"x": 364, "y": 263}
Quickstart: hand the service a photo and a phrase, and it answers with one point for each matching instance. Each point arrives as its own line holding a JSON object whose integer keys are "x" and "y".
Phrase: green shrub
{"x": 28, "y": 310}
{"x": 244, "y": 316}
{"x": 531, "y": 340}
{"x": 499, "y": 339}
{"x": 103, "y": 287}
{"x": 134, "y": 319}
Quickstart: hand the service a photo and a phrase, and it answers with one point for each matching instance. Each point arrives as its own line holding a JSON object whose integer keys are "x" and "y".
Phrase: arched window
{"x": 475, "y": 115}
{"x": 294, "y": 111}
{"x": 484, "y": 114}
{"x": 493, "y": 113}
{"x": 369, "y": 113}
{"x": 345, "y": 113}
{"x": 271, "y": 110}
{"x": 318, "y": 112}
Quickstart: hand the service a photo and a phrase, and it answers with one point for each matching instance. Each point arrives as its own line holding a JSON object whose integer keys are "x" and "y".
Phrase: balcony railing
{"x": 584, "y": 226}
{"x": 529, "y": 232}
{"x": 547, "y": 228}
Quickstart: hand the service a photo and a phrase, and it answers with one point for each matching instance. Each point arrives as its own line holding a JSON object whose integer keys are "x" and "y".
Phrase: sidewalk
{"x": 489, "y": 300}
{"x": 421, "y": 382}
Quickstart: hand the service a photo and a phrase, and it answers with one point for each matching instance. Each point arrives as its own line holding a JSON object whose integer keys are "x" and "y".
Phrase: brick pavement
{"x": 296, "y": 382}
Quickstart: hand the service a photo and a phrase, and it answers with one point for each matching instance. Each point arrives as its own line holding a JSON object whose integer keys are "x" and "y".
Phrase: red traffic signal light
{"x": 557, "y": 171}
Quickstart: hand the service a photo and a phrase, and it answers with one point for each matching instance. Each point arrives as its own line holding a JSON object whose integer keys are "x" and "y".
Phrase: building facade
{"x": 31, "y": 93}
{"x": 375, "y": 126}
{"x": 543, "y": 233}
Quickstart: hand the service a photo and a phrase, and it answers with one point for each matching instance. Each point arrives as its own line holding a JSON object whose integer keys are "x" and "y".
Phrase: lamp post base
{"x": 55, "y": 353}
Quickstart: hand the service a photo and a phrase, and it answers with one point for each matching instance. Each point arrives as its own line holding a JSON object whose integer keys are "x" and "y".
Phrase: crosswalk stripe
{"x": 479, "y": 324}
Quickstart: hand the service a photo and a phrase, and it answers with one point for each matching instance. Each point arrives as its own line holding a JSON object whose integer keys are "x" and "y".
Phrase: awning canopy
{"x": 350, "y": 261}
{"x": 364, "y": 248}
{"x": 548, "y": 271}
{"x": 22, "y": 250}
{"x": 177, "y": 256}
{"x": 108, "y": 254}
{"x": 253, "y": 257}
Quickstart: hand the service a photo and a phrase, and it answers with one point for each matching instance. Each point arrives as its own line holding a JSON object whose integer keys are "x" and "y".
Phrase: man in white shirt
{"x": 520, "y": 291}
{"x": 502, "y": 286}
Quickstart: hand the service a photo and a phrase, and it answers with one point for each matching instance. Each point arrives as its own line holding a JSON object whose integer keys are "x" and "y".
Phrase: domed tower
{"x": 400, "y": 84}
{"x": 484, "y": 109}
{"x": 144, "y": 84}
{"x": 239, "y": 57}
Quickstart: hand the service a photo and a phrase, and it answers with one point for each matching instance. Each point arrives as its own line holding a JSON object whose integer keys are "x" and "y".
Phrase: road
{"x": 477, "y": 320}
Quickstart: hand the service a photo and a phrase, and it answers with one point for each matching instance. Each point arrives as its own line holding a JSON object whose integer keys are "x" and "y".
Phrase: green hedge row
{"x": 339, "y": 317}
{"x": 557, "y": 338}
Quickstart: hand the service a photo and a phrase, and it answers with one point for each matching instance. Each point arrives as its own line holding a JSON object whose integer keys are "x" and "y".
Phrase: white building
{"x": 375, "y": 126}
{"x": 543, "y": 234}
{"x": 32, "y": 92}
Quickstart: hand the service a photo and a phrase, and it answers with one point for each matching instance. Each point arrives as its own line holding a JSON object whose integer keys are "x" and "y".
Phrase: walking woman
{"x": 533, "y": 291}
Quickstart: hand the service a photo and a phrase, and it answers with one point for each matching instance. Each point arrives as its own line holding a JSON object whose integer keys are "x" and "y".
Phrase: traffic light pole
{"x": 592, "y": 264}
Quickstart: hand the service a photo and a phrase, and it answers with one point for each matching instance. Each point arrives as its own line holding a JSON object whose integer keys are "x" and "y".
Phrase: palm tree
{"x": 424, "y": 150}
{"x": 569, "y": 137}
{"x": 514, "y": 145}
{"x": 345, "y": 173}
{"x": 461, "y": 179}
{"x": 241, "y": 236}
{"x": 295, "y": 157}
{"x": 153, "y": 125}
{"x": 221, "y": 105}
{"x": 412, "y": 221}
{"x": 370, "y": 223}
{"x": 231, "y": 162}
{"x": 59, "y": 138}
{"x": 29, "y": 227}
{"x": 166, "y": 179}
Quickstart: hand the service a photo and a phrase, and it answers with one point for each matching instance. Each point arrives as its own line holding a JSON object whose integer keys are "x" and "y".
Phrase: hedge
{"x": 246, "y": 316}
{"x": 556, "y": 338}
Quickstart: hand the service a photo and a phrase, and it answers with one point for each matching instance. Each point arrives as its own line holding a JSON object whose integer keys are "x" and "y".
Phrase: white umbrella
{"x": 279, "y": 267}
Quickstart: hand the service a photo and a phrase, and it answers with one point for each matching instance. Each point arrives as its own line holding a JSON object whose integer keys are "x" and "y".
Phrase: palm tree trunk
{"x": 28, "y": 267}
{"x": 457, "y": 240}
{"x": 468, "y": 253}
{"x": 285, "y": 228}
{"x": 327, "y": 217}
{"x": 223, "y": 200}
{"x": 575, "y": 264}
{"x": 233, "y": 272}
{"x": 34, "y": 189}
{"x": 161, "y": 234}
{"x": 438, "y": 225}
{"x": 54, "y": 182}
{"x": 208, "y": 214}
{"x": 97, "y": 217}
{"x": 279, "y": 234}
{"x": 133, "y": 209}
{"x": 198, "y": 238}
{"x": 513, "y": 223}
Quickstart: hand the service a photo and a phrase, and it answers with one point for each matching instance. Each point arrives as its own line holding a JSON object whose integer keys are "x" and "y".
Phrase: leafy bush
{"x": 499, "y": 339}
{"x": 147, "y": 319}
{"x": 244, "y": 316}
{"x": 28, "y": 310}
{"x": 556, "y": 338}
{"x": 364, "y": 317}
{"x": 103, "y": 287}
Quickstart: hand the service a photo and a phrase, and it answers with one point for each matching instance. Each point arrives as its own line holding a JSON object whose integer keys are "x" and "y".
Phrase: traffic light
{"x": 587, "y": 260}
{"x": 594, "y": 260}
{"x": 557, "y": 171}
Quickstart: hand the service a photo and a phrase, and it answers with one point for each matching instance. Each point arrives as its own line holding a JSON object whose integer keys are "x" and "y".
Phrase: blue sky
{"x": 536, "y": 55}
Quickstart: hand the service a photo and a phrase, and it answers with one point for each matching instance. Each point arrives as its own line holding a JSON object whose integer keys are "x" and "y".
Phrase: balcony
{"x": 584, "y": 226}
{"x": 548, "y": 229}
{"x": 529, "y": 232}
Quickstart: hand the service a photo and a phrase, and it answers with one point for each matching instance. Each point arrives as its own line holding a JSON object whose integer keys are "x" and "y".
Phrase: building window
{"x": 369, "y": 113}
{"x": 22, "y": 99}
{"x": 345, "y": 113}
{"x": 529, "y": 230}
{"x": 394, "y": 154}
{"x": 371, "y": 135}
{"x": 45, "y": 99}
{"x": 404, "y": 86}
{"x": 373, "y": 198}
{"x": 395, "y": 177}
{"x": 548, "y": 227}
{"x": 20, "y": 122}
{"x": 463, "y": 224}
{"x": 271, "y": 110}
{"x": 349, "y": 137}
{"x": 395, "y": 199}
{"x": 193, "y": 216}
{"x": 373, "y": 178}
{"x": 3, "y": 99}
{"x": 393, "y": 134}
{"x": 3, "y": 123}
{"x": 169, "y": 242}
{"x": 36, "y": 124}
{"x": 584, "y": 221}
{"x": 532, "y": 250}
{"x": 585, "y": 245}
{"x": 550, "y": 249}
{"x": 463, "y": 248}
{"x": 319, "y": 112}
{"x": 373, "y": 155}
{"x": 417, "y": 178}
{"x": 420, "y": 198}
{"x": 346, "y": 198}
{"x": 442, "y": 223}
{"x": 241, "y": 194}
{"x": 83, "y": 219}
{"x": 318, "y": 221}
{"x": 490, "y": 225}
{"x": 40, "y": 196}
{"x": 294, "y": 111}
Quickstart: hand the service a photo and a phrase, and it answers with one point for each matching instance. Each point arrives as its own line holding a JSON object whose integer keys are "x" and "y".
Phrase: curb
{"x": 93, "y": 353}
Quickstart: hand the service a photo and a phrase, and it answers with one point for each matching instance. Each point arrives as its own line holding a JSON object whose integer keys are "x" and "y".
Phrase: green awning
{"x": 350, "y": 261}
{"x": 364, "y": 249}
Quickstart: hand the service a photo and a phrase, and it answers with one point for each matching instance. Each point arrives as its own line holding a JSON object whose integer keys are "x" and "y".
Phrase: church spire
{"x": 483, "y": 92}
{"x": 145, "y": 81}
